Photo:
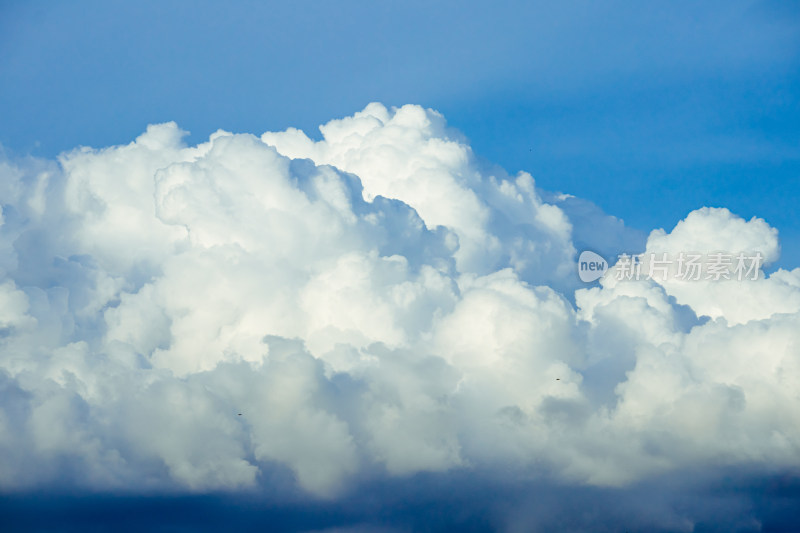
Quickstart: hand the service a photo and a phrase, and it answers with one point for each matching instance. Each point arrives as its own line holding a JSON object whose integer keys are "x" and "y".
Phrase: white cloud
{"x": 409, "y": 154}
{"x": 376, "y": 303}
{"x": 709, "y": 231}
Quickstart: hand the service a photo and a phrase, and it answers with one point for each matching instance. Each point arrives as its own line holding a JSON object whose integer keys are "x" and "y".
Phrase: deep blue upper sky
{"x": 649, "y": 109}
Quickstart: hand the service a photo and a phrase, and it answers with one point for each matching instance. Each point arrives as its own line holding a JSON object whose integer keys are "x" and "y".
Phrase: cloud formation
{"x": 378, "y": 304}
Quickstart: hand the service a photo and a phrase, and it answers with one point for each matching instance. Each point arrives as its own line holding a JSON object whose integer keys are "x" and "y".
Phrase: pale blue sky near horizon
{"x": 648, "y": 109}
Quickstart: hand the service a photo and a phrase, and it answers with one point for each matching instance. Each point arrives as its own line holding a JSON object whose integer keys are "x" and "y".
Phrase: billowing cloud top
{"x": 378, "y": 303}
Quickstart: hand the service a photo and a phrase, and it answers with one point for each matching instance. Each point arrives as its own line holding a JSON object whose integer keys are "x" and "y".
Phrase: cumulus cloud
{"x": 373, "y": 305}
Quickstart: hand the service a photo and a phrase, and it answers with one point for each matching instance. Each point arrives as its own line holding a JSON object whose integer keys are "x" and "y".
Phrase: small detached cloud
{"x": 312, "y": 316}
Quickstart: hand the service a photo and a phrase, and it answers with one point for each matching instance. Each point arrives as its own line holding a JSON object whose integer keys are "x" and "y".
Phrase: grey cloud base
{"x": 307, "y": 317}
{"x": 705, "y": 501}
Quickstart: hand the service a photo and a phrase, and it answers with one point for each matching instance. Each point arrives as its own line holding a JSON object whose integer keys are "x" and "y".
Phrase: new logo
{"x": 591, "y": 266}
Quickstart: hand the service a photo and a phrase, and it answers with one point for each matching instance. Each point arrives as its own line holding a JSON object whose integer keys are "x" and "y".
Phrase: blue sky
{"x": 649, "y": 110}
